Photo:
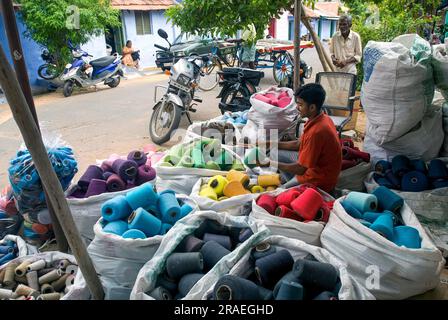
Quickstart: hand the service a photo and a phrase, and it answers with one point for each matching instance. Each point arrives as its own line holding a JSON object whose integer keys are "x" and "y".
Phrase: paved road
{"x": 97, "y": 124}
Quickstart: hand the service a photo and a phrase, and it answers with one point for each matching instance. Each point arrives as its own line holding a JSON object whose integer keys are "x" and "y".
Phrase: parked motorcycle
{"x": 178, "y": 98}
{"x": 238, "y": 85}
{"x": 48, "y": 70}
{"x": 85, "y": 73}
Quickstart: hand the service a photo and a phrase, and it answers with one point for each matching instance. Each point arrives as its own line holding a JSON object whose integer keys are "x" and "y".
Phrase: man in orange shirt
{"x": 319, "y": 156}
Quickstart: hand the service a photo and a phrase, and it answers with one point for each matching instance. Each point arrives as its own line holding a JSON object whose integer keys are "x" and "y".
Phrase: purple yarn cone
{"x": 138, "y": 156}
{"x": 115, "y": 183}
{"x": 107, "y": 175}
{"x": 126, "y": 169}
{"x": 145, "y": 174}
{"x": 106, "y": 167}
{"x": 92, "y": 172}
{"x": 96, "y": 187}
{"x": 77, "y": 194}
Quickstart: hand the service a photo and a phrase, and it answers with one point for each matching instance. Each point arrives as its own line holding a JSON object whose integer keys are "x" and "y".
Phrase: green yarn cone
{"x": 212, "y": 165}
{"x": 251, "y": 158}
{"x": 198, "y": 158}
{"x": 238, "y": 165}
{"x": 186, "y": 162}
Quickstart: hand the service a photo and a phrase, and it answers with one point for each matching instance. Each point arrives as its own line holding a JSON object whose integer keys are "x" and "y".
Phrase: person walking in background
{"x": 249, "y": 38}
{"x": 346, "y": 47}
{"x": 131, "y": 57}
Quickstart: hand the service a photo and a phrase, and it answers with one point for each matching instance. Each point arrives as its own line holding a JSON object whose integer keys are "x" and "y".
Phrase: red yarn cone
{"x": 323, "y": 214}
{"x": 285, "y": 212}
{"x": 285, "y": 198}
{"x": 352, "y": 154}
{"x": 267, "y": 202}
{"x": 308, "y": 204}
{"x": 347, "y": 164}
{"x": 346, "y": 142}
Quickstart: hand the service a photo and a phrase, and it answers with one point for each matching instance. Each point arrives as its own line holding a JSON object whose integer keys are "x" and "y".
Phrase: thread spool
{"x": 169, "y": 206}
{"x": 6, "y": 249}
{"x": 165, "y": 228}
{"x": 181, "y": 263}
{"x": 290, "y": 276}
{"x": 238, "y": 165}
{"x": 133, "y": 234}
{"x": 7, "y": 294}
{"x": 72, "y": 269}
{"x": 92, "y": 172}
{"x": 176, "y": 151}
{"x": 371, "y": 216}
{"x": 393, "y": 179}
{"x": 382, "y": 166}
{"x": 384, "y": 182}
{"x": 32, "y": 280}
{"x": 269, "y": 180}
{"x": 265, "y": 294}
{"x": 262, "y": 250}
{"x": 145, "y": 174}
{"x": 143, "y": 196}
{"x": 244, "y": 235}
{"x": 23, "y": 290}
{"x": 437, "y": 169}
{"x": 63, "y": 264}
{"x": 190, "y": 244}
{"x": 407, "y": 236}
{"x": 400, "y": 165}
{"x": 241, "y": 177}
{"x": 252, "y": 157}
{"x": 230, "y": 287}
{"x": 115, "y": 209}
{"x": 234, "y": 189}
{"x": 439, "y": 184}
{"x": 268, "y": 203}
{"x": 22, "y": 268}
{"x": 59, "y": 284}
{"x": 362, "y": 201}
{"x": 6, "y": 258}
{"x": 115, "y": 184}
{"x": 198, "y": 158}
{"x": 117, "y": 227}
{"x": 326, "y": 295}
{"x": 187, "y": 282}
{"x": 353, "y": 154}
{"x": 185, "y": 210}
{"x": 289, "y": 291}
{"x": 126, "y": 169}
{"x": 365, "y": 223}
{"x": 308, "y": 204}
{"x": 142, "y": 220}
{"x": 42, "y": 272}
{"x": 287, "y": 213}
{"x": 414, "y": 181}
{"x": 221, "y": 239}
{"x": 324, "y": 276}
{"x": 50, "y": 276}
{"x": 388, "y": 200}
{"x": 271, "y": 268}
{"x": 70, "y": 280}
{"x": 47, "y": 288}
{"x": 212, "y": 165}
{"x": 49, "y": 296}
{"x": 210, "y": 226}
{"x": 212, "y": 252}
{"x": 96, "y": 187}
{"x": 419, "y": 165}
{"x": 384, "y": 225}
{"x": 351, "y": 210}
{"x": 218, "y": 183}
{"x": 20, "y": 279}
{"x": 167, "y": 283}
{"x": 208, "y": 192}
{"x": 37, "y": 265}
{"x": 160, "y": 293}
{"x": 347, "y": 164}
{"x": 138, "y": 157}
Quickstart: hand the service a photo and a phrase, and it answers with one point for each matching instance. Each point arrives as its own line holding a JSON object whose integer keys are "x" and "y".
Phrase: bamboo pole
{"x": 297, "y": 27}
{"x": 16, "y": 51}
{"x": 33, "y": 140}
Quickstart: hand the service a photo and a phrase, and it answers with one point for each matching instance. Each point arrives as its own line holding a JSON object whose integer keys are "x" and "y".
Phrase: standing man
{"x": 249, "y": 38}
{"x": 346, "y": 47}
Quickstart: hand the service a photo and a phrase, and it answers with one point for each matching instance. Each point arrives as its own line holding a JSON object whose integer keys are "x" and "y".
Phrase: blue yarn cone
{"x": 323, "y": 276}
{"x": 116, "y": 227}
{"x": 384, "y": 225}
{"x": 262, "y": 250}
{"x": 363, "y": 202}
{"x": 187, "y": 282}
{"x": 212, "y": 253}
{"x": 365, "y": 223}
{"x": 385, "y": 183}
{"x": 116, "y": 209}
{"x": 388, "y": 200}
{"x": 371, "y": 216}
{"x": 289, "y": 291}
{"x": 166, "y": 282}
{"x": 142, "y": 220}
{"x": 221, "y": 239}
{"x": 327, "y": 295}
{"x": 419, "y": 165}
{"x": 169, "y": 207}
{"x": 291, "y": 276}
{"x": 190, "y": 244}
{"x": 437, "y": 169}
{"x": 270, "y": 269}
{"x": 407, "y": 236}
{"x": 134, "y": 234}
{"x": 234, "y": 288}
{"x": 179, "y": 264}
{"x": 185, "y": 210}
{"x": 414, "y": 181}
{"x": 165, "y": 228}
{"x": 143, "y": 196}
{"x": 382, "y": 166}
{"x": 351, "y": 210}
{"x": 400, "y": 165}
{"x": 393, "y": 179}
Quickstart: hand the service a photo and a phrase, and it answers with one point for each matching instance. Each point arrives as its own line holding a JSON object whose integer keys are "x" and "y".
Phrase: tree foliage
{"x": 226, "y": 17}
{"x": 51, "y": 23}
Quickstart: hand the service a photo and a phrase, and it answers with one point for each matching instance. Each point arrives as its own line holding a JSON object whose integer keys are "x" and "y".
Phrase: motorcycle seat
{"x": 102, "y": 62}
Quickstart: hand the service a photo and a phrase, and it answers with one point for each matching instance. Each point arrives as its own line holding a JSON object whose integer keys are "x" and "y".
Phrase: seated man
{"x": 319, "y": 157}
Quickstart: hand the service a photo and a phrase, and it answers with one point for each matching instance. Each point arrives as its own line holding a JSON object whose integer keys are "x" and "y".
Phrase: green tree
{"x": 226, "y": 17}
{"x": 52, "y": 23}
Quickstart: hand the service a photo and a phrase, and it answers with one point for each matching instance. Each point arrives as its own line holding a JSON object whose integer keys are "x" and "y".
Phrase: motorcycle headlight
{"x": 183, "y": 80}
{"x": 308, "y": 72}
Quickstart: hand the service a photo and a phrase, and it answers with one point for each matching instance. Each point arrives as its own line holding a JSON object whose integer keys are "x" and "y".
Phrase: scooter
{"x": 48, "y": 70}
{"x": 84, "y": 73}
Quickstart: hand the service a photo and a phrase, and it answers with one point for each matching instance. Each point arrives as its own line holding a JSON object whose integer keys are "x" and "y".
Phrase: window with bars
{"x": 143, "y": 22}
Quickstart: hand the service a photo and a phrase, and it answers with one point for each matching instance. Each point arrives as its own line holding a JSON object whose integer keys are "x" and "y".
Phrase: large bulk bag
{"x": 23, "y": 248}
{"x": 350, "y": 289}
{"x": 385, "y": 269}
{"x": 307, "y": 232}
{"x": 202, "y": 129}
{"x": 147, "y": 277}
{"x": 390, "y": 70}
{"x": 118, "y": 260}
{"x": 440, "y": 66}
{"x": 353, "y": 178}
{"x": 444, "y": 152}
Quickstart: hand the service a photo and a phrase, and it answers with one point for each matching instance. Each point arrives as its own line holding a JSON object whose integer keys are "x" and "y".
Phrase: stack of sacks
{"x": 237, "y": 183}
{"x": 380, "y": 212}
{"x": 196, "y": 255}
{"x": 351, "y": 155}
{"x": 276, "y": 276}
{"x": 115, "y": 174}
{"x": 275, "y": 98}
{"x": 236, "y": 117}
{"x": 411, "y": 175}
{"x": 8, "y": 252}
{"x": 37, "y": 278}
{"x": 28, "y": 190}
{"x": 10, "y": 220}
{"x": 143, "y": 213}
{"x": 303, "y": 203}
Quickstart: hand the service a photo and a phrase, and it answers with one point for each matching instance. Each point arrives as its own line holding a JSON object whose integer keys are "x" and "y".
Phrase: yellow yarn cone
{"x": 239, "y": 176}
{"x": 257, "y": 189}
{"x": 218, "y": 183}
{"x": 234, "y": 188}
{"x": 269, "y": 180}
{"x": 208, "y": 192}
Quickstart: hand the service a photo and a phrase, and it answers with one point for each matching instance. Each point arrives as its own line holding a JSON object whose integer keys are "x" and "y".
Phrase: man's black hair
{"x": 312, "y": 93}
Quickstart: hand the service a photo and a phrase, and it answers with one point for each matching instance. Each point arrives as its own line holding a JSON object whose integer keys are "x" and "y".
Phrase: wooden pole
{"x": 15, "y": 48}
{"x": 297, "y": 18}
{"x": 33, "y": 140}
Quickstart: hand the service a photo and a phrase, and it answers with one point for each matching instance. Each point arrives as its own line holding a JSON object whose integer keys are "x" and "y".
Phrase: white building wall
{"x": 283, "y": 27}
{"x": 96, "y": 46}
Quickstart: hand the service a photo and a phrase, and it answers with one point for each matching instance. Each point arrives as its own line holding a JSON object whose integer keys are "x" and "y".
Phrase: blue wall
{"x": 32, "y": 52}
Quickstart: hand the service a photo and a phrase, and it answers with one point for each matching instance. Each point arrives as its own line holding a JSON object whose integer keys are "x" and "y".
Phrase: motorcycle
{"x": 48, "y": 70}
{"x": 178, "y": 98}
{"x": 83, "y": 72}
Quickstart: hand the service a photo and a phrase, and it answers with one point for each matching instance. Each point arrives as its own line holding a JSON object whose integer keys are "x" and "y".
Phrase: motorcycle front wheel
{"x": 116, "y": 81}
{"x": 48, "y": 71}
{"x": 68, "y": 88}
{"x": 164, "y": 121}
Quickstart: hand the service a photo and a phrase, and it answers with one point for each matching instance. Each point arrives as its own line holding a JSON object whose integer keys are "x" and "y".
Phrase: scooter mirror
{"x": 162, "y": 34}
